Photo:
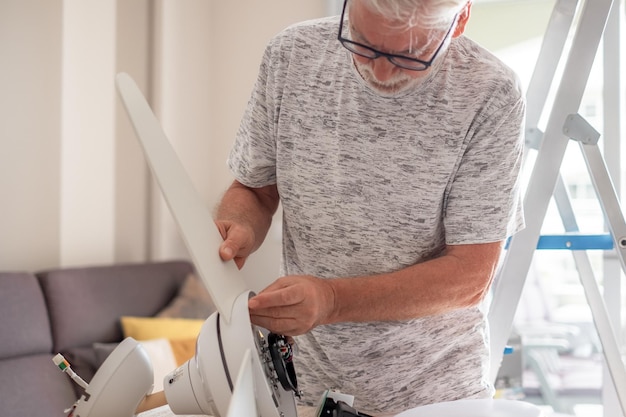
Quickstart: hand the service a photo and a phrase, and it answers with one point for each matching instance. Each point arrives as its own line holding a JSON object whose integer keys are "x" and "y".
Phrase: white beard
{"x": 399, "y": 83}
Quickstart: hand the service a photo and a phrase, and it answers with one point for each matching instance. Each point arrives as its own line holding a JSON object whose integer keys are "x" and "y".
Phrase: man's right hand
{"x": 243, "y": 218}
{"x": 238, "y": 242}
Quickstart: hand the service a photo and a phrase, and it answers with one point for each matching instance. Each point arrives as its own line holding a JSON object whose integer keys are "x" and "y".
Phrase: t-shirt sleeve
{"x": 252, "y": 158}
{"x": 483, "y": 203}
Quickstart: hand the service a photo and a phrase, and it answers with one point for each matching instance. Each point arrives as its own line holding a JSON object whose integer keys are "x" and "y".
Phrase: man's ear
{"x": 462, "y": 19}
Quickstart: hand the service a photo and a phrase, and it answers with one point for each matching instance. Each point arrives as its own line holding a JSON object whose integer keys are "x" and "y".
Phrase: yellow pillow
{"x": 183, "y": 349}
{"x": 146, "y": 328}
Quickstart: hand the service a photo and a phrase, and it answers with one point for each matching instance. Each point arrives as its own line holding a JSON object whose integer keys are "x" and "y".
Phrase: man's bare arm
{"x": 243, "y": 218}
{"x": 459, "y": 278}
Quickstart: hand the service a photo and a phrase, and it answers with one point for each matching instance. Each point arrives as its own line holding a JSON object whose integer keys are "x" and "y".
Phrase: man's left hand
{"x": 293, "y": 305}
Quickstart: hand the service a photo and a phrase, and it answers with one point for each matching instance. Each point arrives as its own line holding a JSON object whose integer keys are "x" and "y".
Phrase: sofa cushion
{"x": 85, "y": 304}
{"x": 84, "y": 361}
{"x": 146, "y": 328}
{"x": 193, "y": 301}
{"x": 33, "y": 386}
{"x": 24, "y": 324}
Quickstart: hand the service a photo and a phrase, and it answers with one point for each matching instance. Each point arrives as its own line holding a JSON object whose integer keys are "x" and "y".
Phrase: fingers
{"x": 279, "y": 309}
{"x": 229, "y": 247}
{"x": 287, "y": 321}
{"x": 284, "y": 326}
{"x": 278, "y": 294}
{"x": 291, "y": 305}
{"x": 237, "y": 242}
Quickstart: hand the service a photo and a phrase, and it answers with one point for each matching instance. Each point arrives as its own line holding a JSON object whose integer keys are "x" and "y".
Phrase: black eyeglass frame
{"x": 346, "y": 43}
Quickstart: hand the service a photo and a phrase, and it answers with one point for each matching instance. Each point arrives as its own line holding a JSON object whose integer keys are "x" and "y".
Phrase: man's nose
{"x": 383, "y": 69}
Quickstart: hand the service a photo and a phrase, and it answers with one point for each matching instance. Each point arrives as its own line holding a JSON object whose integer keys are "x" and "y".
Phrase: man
{"x": 393, "y": 144}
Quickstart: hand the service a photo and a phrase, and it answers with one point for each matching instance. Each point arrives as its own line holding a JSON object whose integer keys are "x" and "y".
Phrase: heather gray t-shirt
{"x": 372, "y": 184}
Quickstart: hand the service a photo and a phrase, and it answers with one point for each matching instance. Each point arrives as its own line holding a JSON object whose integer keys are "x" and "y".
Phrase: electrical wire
{"x": 64, "y": 365}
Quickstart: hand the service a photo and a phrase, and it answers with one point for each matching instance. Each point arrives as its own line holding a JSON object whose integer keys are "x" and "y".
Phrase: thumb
{"x": 226, "y": 251}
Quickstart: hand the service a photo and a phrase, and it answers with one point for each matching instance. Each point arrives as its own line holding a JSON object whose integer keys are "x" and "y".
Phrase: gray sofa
{"x": 67, "y": 311}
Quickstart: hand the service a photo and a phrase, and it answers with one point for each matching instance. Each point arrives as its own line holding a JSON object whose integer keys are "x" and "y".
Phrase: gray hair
{"x": 424, "y": 13}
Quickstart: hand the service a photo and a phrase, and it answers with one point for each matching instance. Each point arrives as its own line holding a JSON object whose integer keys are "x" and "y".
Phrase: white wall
{"x": 87, "y": 132}
{"x": 30, "y": 132}
{"x": 75, "y": 188}
{"x": 500, "y": 24}
{"x": 134, "y": 52}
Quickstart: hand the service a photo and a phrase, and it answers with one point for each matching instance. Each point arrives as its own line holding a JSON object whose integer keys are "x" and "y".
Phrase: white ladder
{"x": 564, "y": 124}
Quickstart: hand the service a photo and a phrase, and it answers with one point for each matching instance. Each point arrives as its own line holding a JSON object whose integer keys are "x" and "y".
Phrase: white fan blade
{"x": 243, "y": 401}
{"x": 222, "y": 279}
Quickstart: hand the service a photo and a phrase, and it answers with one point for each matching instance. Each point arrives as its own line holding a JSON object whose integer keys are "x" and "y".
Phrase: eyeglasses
{"x": 401, "y": 61}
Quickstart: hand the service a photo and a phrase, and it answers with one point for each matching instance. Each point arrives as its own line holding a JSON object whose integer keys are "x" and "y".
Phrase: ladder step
{"x": 574, "y": 241}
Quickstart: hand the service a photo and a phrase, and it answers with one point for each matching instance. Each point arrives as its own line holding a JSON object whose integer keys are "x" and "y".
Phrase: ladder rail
{"x": 617, "y": 226}
{"x": 553, "y": 43}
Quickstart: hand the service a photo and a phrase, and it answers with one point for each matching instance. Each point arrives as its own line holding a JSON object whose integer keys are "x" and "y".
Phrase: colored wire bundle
{"x": 64, "y": 365}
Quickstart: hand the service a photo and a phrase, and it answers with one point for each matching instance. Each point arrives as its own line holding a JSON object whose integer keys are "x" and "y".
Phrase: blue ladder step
{"x": 574, "y": 241}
